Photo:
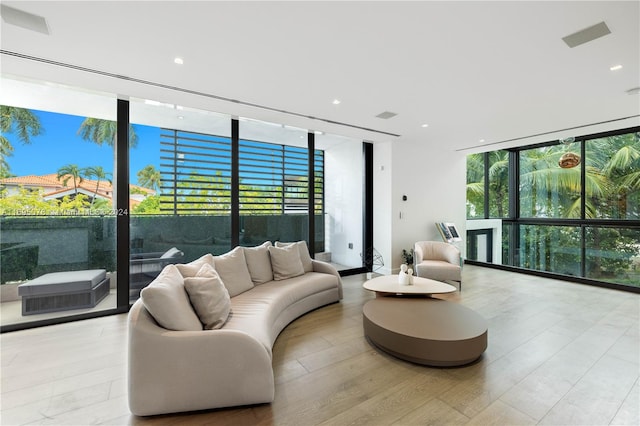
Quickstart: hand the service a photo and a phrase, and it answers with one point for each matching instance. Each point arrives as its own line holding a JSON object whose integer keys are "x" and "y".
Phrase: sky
{"x": 60, "y": 145}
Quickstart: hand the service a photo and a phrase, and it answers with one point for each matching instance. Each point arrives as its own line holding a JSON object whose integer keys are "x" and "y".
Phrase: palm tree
{"x": 475, "y": 185}
{"x": 622, "y": 170}
{"x": 21, "y": 121}
{"x": 498, "y": 183}
{"x": 100, "y": 174}
{"x": 102, "y": 132}
{"x": 70, "y": 171}
{"x": 149, "y": 177}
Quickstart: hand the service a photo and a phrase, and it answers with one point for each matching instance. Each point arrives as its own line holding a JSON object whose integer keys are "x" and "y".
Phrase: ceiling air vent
{"x": 24, "y": 19}
{"x": 386, "y": 115}
{"x": 587, "y": 35}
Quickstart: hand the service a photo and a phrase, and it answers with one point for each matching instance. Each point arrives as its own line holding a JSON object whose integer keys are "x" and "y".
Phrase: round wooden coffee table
{"x": 388, "y": 285}
{"x": 425, "y": 330}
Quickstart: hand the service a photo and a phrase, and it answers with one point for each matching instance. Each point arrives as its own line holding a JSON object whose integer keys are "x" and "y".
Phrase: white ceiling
{"x": 472, "y": 71}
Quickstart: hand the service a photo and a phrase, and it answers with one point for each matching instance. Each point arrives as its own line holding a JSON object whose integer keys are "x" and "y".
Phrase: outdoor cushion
{"x": 63, "y": 282}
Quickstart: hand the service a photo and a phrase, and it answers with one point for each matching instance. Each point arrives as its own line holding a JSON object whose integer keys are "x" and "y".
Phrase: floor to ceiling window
{"x": 57, "y": 216}
{"x": 198, "y": 182}
{"x": 274, "y": 190}
{"x": 573, "y": 209}
{"x": 180, "y": 177}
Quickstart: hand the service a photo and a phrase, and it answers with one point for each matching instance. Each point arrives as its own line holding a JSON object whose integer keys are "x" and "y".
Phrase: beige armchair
{"x": 438, "y": 261}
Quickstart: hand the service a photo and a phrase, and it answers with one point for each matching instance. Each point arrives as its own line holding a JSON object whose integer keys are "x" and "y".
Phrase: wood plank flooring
{"x": 559, "y": 354}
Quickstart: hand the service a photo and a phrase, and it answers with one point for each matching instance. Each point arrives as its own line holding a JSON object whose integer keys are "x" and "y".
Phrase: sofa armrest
{"x": 174, "y": 371}
{"x": 327, "y": 268}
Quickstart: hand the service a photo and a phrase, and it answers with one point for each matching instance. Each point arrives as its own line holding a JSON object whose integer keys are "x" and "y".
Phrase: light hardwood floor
{"x": 559, "y": 353}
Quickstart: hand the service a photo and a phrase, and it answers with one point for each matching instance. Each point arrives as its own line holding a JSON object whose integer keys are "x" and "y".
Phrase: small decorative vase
{"x": 403, "y": 277}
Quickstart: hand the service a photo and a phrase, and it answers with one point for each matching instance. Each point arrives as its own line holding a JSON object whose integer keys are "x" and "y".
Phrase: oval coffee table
{"x": 425, "y": 330}
{"x": 388, "y": 285}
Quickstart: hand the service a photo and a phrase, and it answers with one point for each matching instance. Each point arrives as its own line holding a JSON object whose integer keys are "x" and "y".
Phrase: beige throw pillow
{"x": 259, "y": 263}
{"x": 167, "y": 301}
{"x": 285, "y": 262}
{"x": 209, "y": 297}
{"x": 233, "y": 271}
{"x": 191, "y": 269}
{"x": 304, "y": 253}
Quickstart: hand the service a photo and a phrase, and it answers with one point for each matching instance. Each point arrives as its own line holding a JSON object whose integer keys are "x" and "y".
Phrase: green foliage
{"x": 26, "y": 202}
{"x": 149, "y": 177}
{"x": 150, "y": 205}
{"x": 103, "y": 132}
{"x": 21, "y": 121}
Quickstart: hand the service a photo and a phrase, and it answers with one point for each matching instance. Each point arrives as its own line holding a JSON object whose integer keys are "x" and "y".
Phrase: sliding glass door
{"x": 57, "y": 218}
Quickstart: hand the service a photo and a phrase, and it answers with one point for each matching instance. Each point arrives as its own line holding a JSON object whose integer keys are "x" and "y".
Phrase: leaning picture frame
{"x": 448, "y": 231}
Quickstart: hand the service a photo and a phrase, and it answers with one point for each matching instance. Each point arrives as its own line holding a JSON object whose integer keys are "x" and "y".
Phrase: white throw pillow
{"x": 191, "y": 269}
{"x": 285, "y": 262}
{"x": 305, "y": 257}
{"x": 168, "y": 302}
{"x": 233, "y": 271}
{"x": 209, "y": 297}
{"x": 259, "y": 263}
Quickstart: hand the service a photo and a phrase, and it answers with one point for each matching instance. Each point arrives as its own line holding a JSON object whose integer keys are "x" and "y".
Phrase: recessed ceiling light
{"x": 425, "y": 125}
{"x": 616, "y": 67}
{"x": 180, "y": 117}
{"x": 178, "y": 60}
{"x": 481, "y": 140}
{"x": 336, "y": 101}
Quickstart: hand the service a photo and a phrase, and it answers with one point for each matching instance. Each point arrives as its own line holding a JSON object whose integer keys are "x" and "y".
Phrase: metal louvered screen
{"x": 196, "y": 173}
{"x": 196, "y": 176}
{"x": 274, "y": 178}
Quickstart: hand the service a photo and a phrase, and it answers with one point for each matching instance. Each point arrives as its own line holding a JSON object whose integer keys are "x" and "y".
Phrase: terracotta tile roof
{"x": 51, "y": 181}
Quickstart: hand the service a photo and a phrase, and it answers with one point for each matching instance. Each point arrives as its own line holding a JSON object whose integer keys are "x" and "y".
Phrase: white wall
{"x": 382, "y": 196}
{"x": 433, "y": 179}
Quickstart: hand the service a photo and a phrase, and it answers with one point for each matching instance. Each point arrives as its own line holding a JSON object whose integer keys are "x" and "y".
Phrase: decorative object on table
{"x": 403, "y": 276}
{"x": 410, "y": 276}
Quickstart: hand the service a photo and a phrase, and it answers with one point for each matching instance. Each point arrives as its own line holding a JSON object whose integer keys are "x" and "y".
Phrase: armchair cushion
{"x": 438, "y": 261}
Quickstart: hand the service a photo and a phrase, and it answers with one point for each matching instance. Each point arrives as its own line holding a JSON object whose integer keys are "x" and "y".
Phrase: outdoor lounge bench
{"x": 60, "y": 291}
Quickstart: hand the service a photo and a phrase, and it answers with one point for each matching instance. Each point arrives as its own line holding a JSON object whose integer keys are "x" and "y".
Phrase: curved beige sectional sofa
{"x": 186, "y": 370}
